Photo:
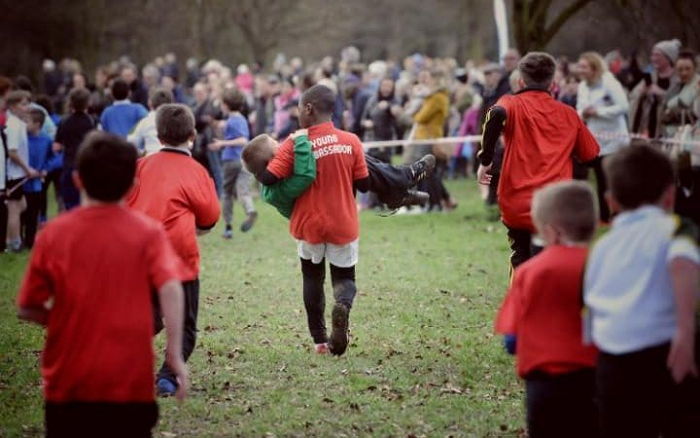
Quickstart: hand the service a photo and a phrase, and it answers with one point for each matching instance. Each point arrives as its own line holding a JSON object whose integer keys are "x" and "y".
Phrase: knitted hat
{"x": 670, "y": 48}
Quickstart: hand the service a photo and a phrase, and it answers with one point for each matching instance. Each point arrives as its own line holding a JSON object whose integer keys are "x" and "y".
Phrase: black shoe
{"x": 338, "y": 342}
{"x": 412, "y": 197}
{"x": 422, "y": 168}
{"x": 248, "y": 223}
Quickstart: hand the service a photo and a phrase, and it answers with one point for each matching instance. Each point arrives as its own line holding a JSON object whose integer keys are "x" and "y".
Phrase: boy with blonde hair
{"x": 542, "y": 316}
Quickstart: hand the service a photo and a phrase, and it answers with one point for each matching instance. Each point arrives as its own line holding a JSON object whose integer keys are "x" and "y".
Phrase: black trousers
{"x": 434, "y": 186}
{"x": 390, "y": 183}
{"x": 29, "y": 219}
{"x": 561, "y": 405}
{"x": 521, "y": 246}
{"x": 601, "y": 188}
{"x": 3, "y": 224}
{"x": 189, "y": 334}
{"x": 344, "y": 291}
{"x": 69, "y": 192}
{"x": 638, "y": 397}
{"x": 53, "y": 177}
{"x": 99, "y": 419}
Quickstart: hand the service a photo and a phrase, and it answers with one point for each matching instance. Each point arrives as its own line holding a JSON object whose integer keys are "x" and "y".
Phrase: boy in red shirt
{"x": 542, "y": 313}
{"x": 90, "y": 281}
{"x": 176, "y": 190}
{"x": 324, "y": 220}
{"x": 541, "y": 136}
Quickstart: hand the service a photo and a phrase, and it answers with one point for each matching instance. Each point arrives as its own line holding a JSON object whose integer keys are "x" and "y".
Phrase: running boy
{"x": 641, "y": 290}
{"x": 90, "y": 281}
{"x": 543, "y": 312}
{"x": 236, "y": 178}
{"x": 541, "y": 135}
{"x": 176, "y": 190}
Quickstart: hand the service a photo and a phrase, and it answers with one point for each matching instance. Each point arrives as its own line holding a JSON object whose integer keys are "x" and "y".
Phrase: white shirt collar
{"x": 121, "y": 102}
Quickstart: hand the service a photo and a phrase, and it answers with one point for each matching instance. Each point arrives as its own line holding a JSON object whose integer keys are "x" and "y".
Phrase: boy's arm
{"x": 685, "y": 276}
{"x": 587, "y": 147}
{"x": 172, "y": 307}
{"x": 493, "y": 127}
{"x": 37, "y": 288}
{"x": 282, "y": 194}
{"x": 204, "y": 202}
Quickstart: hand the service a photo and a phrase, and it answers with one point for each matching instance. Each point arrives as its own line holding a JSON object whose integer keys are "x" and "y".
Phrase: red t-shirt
{"x": 543, "y": 309}
{"x": 326, "y": 212}
{"x": 100, "y": 266}
{"x": 541, "y": 137}
{"x": 174, "y": 189}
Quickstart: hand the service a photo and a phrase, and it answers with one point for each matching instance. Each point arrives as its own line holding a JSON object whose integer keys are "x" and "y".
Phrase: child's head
{"x": 258, "y": 153}
{"x": 638, "y": 176}
{"x": 175, "y": 124}
{"x": 233, "y": 100}
{"x": 106, "y": 166}
{"x": 79, "y": 99}
{"x": 565, "y": 212}
{"x": 120, "y": 89}
{"x": 35, "y": 121}
{"x": 537, "y": 70}
{"x": 316, "y": 106}
{"x": 159, "y": 96}
{"x": 17, "y": 102}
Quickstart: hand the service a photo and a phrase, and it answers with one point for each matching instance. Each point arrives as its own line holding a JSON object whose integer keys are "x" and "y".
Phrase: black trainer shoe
{"x": 412, "y": 197}
{"x": 422, "y": 168}
{"x": 249, "y": 222}
{"x": 338, "y": 342}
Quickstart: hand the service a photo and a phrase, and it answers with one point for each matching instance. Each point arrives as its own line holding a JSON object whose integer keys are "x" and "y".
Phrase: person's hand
{"x": 483, "y": 174}
{"x": 681, "y": 358}
{"x": 33, "y": 173}
{"x": 179, "y": 368}
{"x": 57, "y": 147}
{"x": 298, "y": 133}
{"x": 367, "y": 124}
{"x": 396, "y": 110}
{"x": 589, "y": 112}
{"x": 215, "y": 145}
{"x": 382, "y": 105}
{"x": 656, "y": 90}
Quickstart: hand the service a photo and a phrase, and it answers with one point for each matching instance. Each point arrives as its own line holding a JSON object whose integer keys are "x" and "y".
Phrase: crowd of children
{"x": 605, "y": 338}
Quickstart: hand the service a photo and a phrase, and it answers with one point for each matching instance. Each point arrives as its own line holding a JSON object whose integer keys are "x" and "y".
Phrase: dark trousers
{"x": 688, "y": 194}
{"x": 434, "y": 186}
{"x": 390, "y": 183}
{"x": 344, "y": 290}
{"x": 3, "y": 224}
{"x": 521, "y": 246}
{"x": 601, "y": 188}
{"x": 69, "y": 193}
{"x": 29, "y": 219}
{"x": 638, "y": 397}
{"x": 561, "y": 405}
{"x": 189, "y": 333}
{"x": 53, "y": 177}
{"x": 99, "y": 419}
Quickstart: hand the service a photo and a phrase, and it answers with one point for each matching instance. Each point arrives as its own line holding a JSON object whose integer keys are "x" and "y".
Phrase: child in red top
{"x": 324, "y": 220}
{"x": 541, "y": 137}
{"x": 176, "y": 190}
{"x": 90, "y": 281}
{"x": 543, "y": 312}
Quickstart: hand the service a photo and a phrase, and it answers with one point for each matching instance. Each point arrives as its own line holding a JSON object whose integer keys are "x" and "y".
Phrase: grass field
{"x": 423, "y": 359}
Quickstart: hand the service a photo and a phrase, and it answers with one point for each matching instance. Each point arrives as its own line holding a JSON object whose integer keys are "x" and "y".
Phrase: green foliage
{"x": 423, "y": 359}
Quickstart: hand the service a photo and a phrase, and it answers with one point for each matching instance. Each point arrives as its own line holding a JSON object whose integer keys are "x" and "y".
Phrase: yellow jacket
{"x": 430, "y": 119}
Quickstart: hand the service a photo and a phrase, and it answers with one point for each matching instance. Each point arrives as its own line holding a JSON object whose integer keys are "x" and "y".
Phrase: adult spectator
{"x": 381, "y": 118}
{"x": 679, "y": 102}
{"x": 205, "y": 114}
{"x": 603, "y": 105}
{"x": 123, "y": 115}
{"x": 139, "y": 93}
{"x": 647, "y": 97}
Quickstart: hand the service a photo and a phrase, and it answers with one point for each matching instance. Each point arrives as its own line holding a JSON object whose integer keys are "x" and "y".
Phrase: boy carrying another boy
{"x": 174, "y": 189}
{"x": 324, "y": 217}
{"x": 542, "y": 315}
{"x": 90, "y": 281}
{"x": 641, "y": 291}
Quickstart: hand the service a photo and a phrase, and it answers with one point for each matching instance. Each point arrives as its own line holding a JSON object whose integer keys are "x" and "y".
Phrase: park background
{"x": 423, "y": 360}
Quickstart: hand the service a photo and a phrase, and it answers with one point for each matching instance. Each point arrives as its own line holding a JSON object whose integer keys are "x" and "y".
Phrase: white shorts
{"x": 342, "y": 256}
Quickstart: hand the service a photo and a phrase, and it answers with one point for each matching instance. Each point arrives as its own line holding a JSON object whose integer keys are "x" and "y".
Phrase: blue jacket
{"x": 121, "y": 117}
{"x": 39, "y": 150}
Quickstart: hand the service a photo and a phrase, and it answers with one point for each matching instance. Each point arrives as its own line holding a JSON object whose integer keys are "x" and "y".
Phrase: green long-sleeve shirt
{"x": 282, "y": 194}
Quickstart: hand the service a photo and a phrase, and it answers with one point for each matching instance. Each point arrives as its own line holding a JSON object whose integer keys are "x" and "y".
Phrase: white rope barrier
{"x": 477, "y": 138}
